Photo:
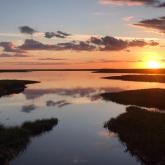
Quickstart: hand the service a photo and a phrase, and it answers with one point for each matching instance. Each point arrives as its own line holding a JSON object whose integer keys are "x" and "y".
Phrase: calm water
{"x": 73, "y": 98}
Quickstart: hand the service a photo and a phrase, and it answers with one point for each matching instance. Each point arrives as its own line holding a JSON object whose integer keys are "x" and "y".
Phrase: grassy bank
{"x": 139, "y": 78}
{"x": 143, "y": 134}
{"x": 8, "y": 87}
{"x": 151, "y": 98}
{"x": 13, "y": 140}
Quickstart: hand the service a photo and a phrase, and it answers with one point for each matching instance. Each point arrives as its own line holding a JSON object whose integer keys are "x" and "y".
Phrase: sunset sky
{"x": 82, "y": 34}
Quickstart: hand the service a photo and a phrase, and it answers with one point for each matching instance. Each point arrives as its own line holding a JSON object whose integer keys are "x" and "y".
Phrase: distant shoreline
{"x": 140, "y": 71}
{"x": 43, "y": 70}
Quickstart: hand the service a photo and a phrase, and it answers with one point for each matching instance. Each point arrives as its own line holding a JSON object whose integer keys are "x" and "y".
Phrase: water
{"x": 73, "y": 98}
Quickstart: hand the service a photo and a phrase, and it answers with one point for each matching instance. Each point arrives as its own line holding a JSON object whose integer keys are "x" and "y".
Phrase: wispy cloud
{"x": 156, "y": 24}
{"x": 154, "y": 3}
{"x": 52, "y": 59}
{"x": 128, "y": 18}
{"x": 5, "y": 55}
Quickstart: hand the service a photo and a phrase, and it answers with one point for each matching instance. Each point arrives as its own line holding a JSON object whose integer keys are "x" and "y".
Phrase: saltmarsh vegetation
{"x": 13, "y": 140}
{"x": 139, "y": 78}
{"x": 143, "y": 134}
{"x": 8, "y": 87}
{"x": 150, "y": 98}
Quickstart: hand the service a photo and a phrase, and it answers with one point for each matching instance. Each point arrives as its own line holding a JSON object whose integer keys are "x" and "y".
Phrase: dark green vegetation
{"x": 140, "y": 71}
{"x": 13, "y": 140}
{"x": 8, "y": 87}
{"x": 143, "y": 134}
{"x": 151, "y": 98}
{"x": 140, "y": 78}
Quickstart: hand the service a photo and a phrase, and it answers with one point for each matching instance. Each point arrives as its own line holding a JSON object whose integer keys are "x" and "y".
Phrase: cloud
{"x": 130, "y": 2}
{"x": 52, "y": 34}
{"x": 49, "y": 34}
{"x": 106, "y": 43}
{"x": 38, "y": 63}
{"x": 63, "y": 33}
{"x": 5, "y": 55}
{"x": 153, "y": 3}
{"x": 27, "y": 30}
{"x": 142, "y": 43}
{"x": 77, "y": 46}
{"x": 112, "y": 61}
{"x": 157, "y": 24}
{"x": 109, "y": 43}
{"x": 128, "y": 19}
{"x": 93, "y": 43}
{"x": 30, "y": 44}
{"x": 52, "y": 59}
{"x": 58, "y": 34}
{"x": 10, "y": 47}
{"x": 161, "y": 5}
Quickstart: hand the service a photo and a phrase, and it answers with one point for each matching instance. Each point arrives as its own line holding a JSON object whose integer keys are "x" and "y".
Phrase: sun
{"x": 154, "y": 64}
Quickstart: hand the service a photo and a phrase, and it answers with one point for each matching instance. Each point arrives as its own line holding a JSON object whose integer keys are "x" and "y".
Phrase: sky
{"x": 61, "y": 34}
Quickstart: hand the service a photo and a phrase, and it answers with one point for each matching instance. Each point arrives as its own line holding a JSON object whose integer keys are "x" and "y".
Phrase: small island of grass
{"x": 151, "y": 98}
{"x": 143, "y": 134}
{"x": 13, "y": 140}
{"x": 8, "y": 87}
{"x": 139, "y": 78}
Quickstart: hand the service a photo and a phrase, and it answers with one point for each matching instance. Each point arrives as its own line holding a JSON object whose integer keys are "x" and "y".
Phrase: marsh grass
{"x": 139, "y": 78}
{"x": 13, "y": 140}
{"x": 8, "y": 87}
{"x": 143, "y": 134}
{"x": 151, "y": 98}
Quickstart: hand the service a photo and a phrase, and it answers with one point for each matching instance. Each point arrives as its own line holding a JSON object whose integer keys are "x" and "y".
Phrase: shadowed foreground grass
{"x": 151, "y": 98}
{"x": 8, "y": 87}
{"x": 13, "y": 140}
{"x": 143, "y": 134}
{"x": 139, "y": 78}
